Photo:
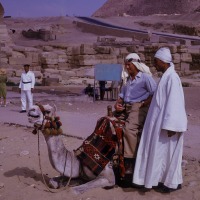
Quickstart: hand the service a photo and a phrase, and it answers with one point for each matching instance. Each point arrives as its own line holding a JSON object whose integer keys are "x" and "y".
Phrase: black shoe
{"x": 22, "y": 111}
{"x": 164, "y": 189}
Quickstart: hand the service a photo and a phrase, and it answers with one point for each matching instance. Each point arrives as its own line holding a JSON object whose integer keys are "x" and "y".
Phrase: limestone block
{"x": 35, "y": 68}
{"x": 75, "y": 50}
{"x": 124, "y": 51}
{"x": 186, "y": 57}
{"x": 87, "y": 49}
{"x": 49, "y": 58}
{"x": 6, "y": 50}
{"x": 185, "y": 66}
{"x": 38, "y": 74}
{"x": 47, "y": 48}
{"x": 177, "y": 66}
{"x": 114, "y": 51}
{"x": 4, "y": 60}
{"x": 18, "y": 73}
{"x": 62, "y": 58}
{"x": 50, "y": 71}
{"x": 56, "y": 76}
{"x": 182, "y": 49}
{"x": 16, "y": 54}
{"x": 19, "y": 61}
{"x": 176, "y": 58}
{"x": 150, "y": 48}
{"x": 62, "y": 66}
{"x": 195, "y": 50}
{"x": 173, "y": 48}
{"x": 34, "y": 56}
{"x": 140, "y": 48}
{"x": 102, "y": 50}
{"x": 25, "y": 49}
{"x": 45, "y": 66}
{"x": 14, "y": 80}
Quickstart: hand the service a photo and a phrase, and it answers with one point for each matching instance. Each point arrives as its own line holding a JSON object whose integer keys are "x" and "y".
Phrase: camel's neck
{"x": 57, "y": 151}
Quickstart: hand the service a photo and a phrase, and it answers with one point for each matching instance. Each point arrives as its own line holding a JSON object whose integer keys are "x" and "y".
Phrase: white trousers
{"x": 26, "y": 98}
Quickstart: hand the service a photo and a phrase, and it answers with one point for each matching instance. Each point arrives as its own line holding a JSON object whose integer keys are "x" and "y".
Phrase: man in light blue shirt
{"x": 134, "y": 100}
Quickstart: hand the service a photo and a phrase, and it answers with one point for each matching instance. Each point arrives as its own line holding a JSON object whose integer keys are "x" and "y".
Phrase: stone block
{"x": 75, "y": 50}
{"x": 87, "y": 49}
{"x": 34, "y": 56}
{"x": 186, "y": 57}
{"x": 19, "y": 61}
{"x": 176, "y": 58}
{"x": 182, "y": 49}
{"x": 25, "y": 49}
{"x": 102, "y": 50}
{"x": 16, "y": 54}
{"x": 63, "y": 66}
{"x": 185, "y": 66}
{"x": 114, "y": 51}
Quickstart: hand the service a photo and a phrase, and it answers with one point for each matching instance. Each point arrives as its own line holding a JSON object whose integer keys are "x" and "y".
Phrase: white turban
{"x": 135, "y": 59}
{"x": 164, "y": 54}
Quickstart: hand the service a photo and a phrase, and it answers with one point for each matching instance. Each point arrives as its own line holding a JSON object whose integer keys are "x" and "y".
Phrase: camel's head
{"x": 44, "y": 118}
{"x": 38, "y": 113}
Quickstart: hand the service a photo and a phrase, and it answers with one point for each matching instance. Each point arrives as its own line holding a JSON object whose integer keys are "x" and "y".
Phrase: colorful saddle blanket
{"x": 98, "y": 149}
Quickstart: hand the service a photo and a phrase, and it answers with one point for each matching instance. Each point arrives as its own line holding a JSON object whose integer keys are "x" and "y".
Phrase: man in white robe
{"x": 159, "y": 156}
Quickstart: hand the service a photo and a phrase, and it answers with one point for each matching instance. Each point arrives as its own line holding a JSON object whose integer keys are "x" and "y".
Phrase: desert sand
{"x": 20, "y": 176}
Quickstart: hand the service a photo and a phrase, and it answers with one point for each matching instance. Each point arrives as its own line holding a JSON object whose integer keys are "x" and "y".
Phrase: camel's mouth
{"x": 34, "y": 116}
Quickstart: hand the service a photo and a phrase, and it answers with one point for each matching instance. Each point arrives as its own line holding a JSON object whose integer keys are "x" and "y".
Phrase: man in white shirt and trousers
{"x": 159, "y": 156}
{"x": 26, "y": 86}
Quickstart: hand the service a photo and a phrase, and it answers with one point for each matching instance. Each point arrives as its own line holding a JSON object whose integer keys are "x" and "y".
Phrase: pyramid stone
{"x": 146, "y": 7}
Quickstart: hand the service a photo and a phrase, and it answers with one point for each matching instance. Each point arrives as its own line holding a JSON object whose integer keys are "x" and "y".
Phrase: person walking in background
{"x": 3, "y": 91}
{"x": 159, "y": 157}
{"x": 102, "y": 88}
{"x": 26, "y": 87}
{"x": 133, "y": 101}
{"x": 89, "y": 90}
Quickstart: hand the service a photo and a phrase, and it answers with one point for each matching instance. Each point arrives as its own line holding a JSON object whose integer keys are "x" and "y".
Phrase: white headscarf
{"x": 164, "y": 55}
{"x": 137, "y": 62}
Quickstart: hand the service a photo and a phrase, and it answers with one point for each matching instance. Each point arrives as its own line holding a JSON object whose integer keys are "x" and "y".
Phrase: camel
{"x": 64, "y": 161}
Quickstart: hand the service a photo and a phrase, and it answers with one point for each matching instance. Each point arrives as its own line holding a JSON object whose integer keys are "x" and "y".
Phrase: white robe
{"x": 159, "y": 157}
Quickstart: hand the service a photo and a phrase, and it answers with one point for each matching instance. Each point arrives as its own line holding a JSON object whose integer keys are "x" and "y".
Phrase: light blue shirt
{"x": 139, "y": 89}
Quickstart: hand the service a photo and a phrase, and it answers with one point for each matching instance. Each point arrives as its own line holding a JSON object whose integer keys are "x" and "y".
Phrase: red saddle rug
{"x": 98, "y": 149}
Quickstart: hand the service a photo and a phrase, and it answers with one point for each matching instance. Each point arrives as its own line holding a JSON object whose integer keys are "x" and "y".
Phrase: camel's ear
{"x": 54, "y": 109}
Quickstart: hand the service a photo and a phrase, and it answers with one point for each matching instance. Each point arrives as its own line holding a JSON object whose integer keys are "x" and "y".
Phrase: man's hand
{"x": 19, "y": 90}
{"x": 119, "y": 107}
{"x": 171, "y": 133}
{"x": 32, "y": 90}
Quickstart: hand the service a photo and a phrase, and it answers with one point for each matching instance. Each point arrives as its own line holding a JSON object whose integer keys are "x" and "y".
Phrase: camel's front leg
{"x": 106, "y": 178}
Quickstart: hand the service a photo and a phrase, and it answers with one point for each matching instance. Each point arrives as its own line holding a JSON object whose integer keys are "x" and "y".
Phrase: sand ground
{"x": 20, "y": 176}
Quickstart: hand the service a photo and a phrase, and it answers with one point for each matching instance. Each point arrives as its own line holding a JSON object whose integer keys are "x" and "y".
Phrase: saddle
{"x": 104, "y": 145}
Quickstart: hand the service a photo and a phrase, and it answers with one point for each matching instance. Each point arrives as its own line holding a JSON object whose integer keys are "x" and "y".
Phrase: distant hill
{"x": 146, "y": 7}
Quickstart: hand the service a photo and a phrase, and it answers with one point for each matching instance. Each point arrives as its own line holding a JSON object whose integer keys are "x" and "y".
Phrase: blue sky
{"x": 39, "y": 8}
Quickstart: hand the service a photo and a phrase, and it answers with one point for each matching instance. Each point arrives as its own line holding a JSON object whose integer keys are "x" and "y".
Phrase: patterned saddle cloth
{"x": 98, "y": 149}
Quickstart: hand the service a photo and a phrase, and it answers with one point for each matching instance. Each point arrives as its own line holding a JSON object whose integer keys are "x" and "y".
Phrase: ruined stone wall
{"x": 62, "y": 65}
